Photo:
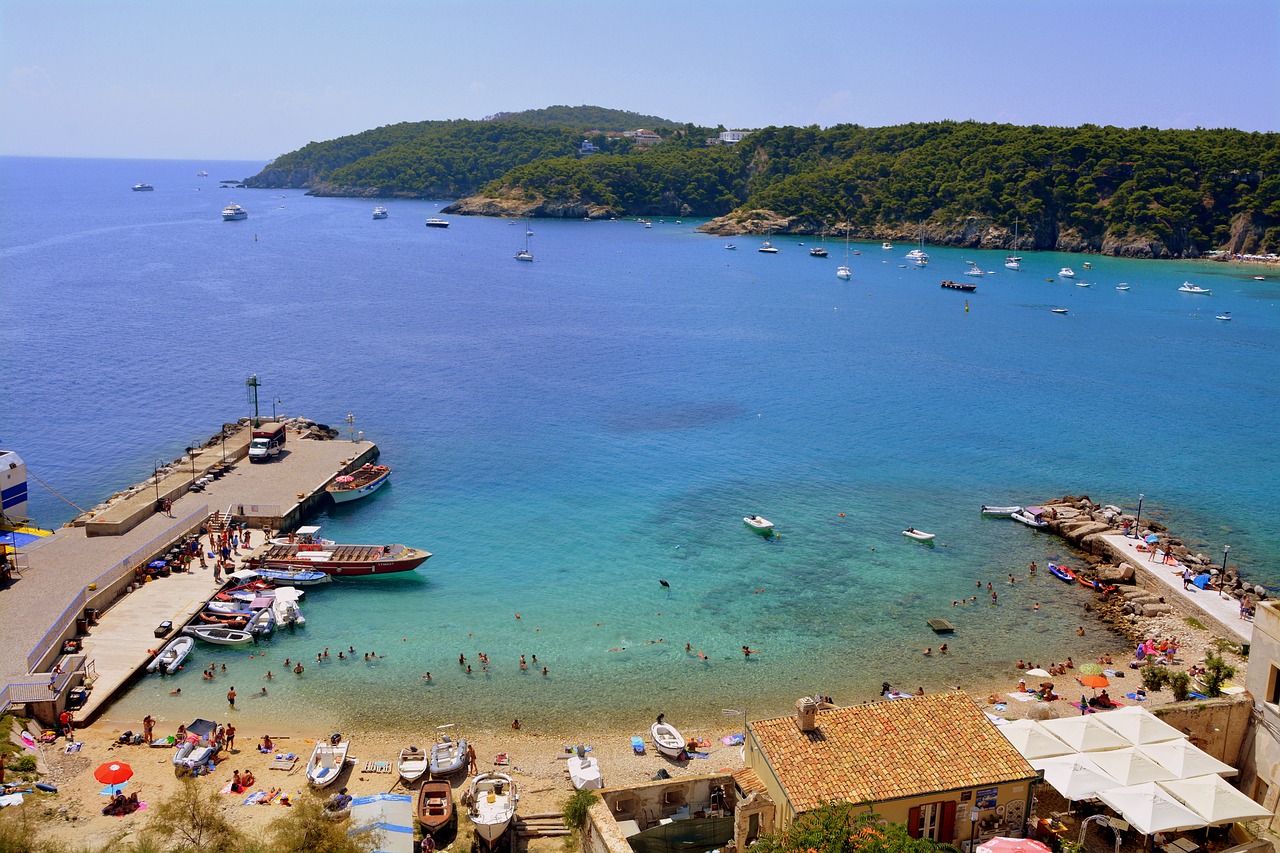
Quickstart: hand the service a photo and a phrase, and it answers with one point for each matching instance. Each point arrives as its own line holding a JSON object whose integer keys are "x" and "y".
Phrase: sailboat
{"x": 820, "y": 251}
{"x": 843, "y": 272}
{"x": 917, "y": 255}
{"x": 1013, "y": 261}
{"x": 524, "y": 254}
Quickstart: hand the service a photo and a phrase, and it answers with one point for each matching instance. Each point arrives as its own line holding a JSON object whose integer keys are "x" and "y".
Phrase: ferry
{"x": 233, "y": 212}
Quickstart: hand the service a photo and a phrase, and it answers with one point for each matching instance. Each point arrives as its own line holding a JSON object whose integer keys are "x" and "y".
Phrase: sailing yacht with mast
{"x": 524, "y": 254}
{"x": 1013, "y": 261}
{"x": 843, "y": 272}
{"x": 918, "y": 255}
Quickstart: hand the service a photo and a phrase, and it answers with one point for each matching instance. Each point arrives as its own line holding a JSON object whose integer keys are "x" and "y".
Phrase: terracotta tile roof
{"x": 889, "y": 750}
{"x": 749, "y": 782}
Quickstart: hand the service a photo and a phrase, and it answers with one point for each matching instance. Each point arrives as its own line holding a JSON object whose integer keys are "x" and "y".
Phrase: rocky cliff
{"x": 520, "y": 205}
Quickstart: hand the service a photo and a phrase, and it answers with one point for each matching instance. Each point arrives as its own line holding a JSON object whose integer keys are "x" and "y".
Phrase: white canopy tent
{"x": 1185, "y": 760}
{"x": 1149, "y": 808}
{"x": 1138, "y": 725}
{"x": 1213, "y": 798}
{"x": 1130, "y": 766}
{"x": 1032, "y": 740}
{"x": 1074, "y": 776}
{"x": 1084, "y": 733}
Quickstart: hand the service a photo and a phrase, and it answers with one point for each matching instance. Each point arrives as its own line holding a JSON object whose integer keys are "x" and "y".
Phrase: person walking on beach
{"x": 231, "y": 698}
{"x": 1186, "y": 578}
{"x": 471, "y": 759}
{"x": 231, "y": 732}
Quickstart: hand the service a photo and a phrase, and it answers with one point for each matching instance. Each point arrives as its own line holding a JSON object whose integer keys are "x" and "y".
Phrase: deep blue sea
{"x": 567, "y": 433}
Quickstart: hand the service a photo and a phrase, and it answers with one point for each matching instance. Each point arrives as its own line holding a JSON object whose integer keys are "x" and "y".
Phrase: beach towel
{"x": 1000, "y": 706}
{"x": 1022, "y": 697}
{"x": 733, "y": 740}
{"x": 703, "y": 743}
{"x": 227, "y": 790}
{"x": 702, "y": 755}
{"x": 254, "y": 798}
{"x": 73, "y": 748}
{"x": 1135, "y": 697}
{"x": 501, "y": 759}
{"x": 10, "y": 800}
{"x": 637, "y": 744}
{"x": 1085, "y": 708}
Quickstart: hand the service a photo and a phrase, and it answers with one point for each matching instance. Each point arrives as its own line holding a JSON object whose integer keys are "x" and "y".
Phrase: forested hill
{"x": 1140, "y": 191}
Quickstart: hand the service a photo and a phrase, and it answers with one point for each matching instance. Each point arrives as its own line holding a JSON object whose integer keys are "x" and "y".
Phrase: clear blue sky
{"x": 251, "y": 80}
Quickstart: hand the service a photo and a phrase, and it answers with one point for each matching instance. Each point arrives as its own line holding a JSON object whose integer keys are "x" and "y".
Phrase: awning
{"x": 1074, "y": 776}
{"x": 1085, "y": 733}
{"x": 1213, "y": 798}
{"x": 1139, "y": 726}
{"x": 1185, "y": 760}
{"x": 1149, "y": 808}
{"x": 1032, "y": 740}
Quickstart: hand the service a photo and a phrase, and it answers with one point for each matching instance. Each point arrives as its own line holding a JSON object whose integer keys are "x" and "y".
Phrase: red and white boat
{"x": 360, "y": 483}
{"x": 337, "y": 560}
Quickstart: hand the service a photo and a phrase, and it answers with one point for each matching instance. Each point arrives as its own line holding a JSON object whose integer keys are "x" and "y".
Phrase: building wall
{"x": 1260, "y": 761}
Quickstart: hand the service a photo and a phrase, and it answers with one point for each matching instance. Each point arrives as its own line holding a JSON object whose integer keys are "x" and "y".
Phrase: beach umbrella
{"x": 1074, "y": 776}
{"x": 1139, "y": 726}
{"x": 1213, "y": 798}
{"x": 1185, "y": 760}
{"x": 1039, "y": 672}
{"x": 113, "y": 773}
{"x": 1032, "y": 741}
{"x": 1149, "y": 809}
{"x": 1131, "y": 766}
{"x": 1000, "y": 844}
{"x": 1094, "y": 681}
{"x": 1084, "y": 733}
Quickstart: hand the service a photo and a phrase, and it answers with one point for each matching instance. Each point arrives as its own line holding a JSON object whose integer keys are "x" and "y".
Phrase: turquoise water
{"x": 565, "y": 434}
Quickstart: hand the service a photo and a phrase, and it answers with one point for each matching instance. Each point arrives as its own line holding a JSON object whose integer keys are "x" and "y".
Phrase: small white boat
{"x": 202, "y": 174}
{"x": 380, "y": 213}
{"x": 1030, "y": 516}
{"x": 325, "y": 765}
{"x": 1122, "y": 287}
{"x": 143, "y": 188}
{"x": 667, "y": 738}
{"x": 172, "y": 655}
{"x": 1059, "y": 310}
{"x": 1225, "y": 315}
{"x": 1259, "y": 278}
{"x": 491, "y": 804}
{"x": 975, "y": 270}
{"x": 448, "y": 754}
{"x": 233, "y": 212}
{"x": 285, "y": 607}
{"x": 1082, "y": 283}
{"x": 262, "y": 623}
{"x": 768, "y": 248}
{"x": 730, "y": 246}
{"x": 918, "y": 535}
{"x": 229, "y": 608}
{"x": 584, "y": 771}
{"x": 433, "y": 222}
{"x": 1188, "y": 287}
{"x": 1000, "y": 511}
{"x": 1066, "y": 272}
{"x": 886, "y": 245}
{"x": 412, "y": 763}
{"x": 817, "y": 252}
{"x": 844, "y": 273}
{"x": 360, "y": 483}
{"x": 218, "y": 635}
{"x": 292, "y": 578}
{"x": 758, "y": 522}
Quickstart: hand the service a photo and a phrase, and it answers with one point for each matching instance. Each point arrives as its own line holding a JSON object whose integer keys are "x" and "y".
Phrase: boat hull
{"x": 448, "y": 757}
{"x": 1000, "y": 511}
{"x": 173, "y": 654}
{"x": 1029, "y": 520}
{"x": 435, "y": 806}
{"x": 339, "y": 560}
{"x": 1062, "y": 573}
{"x": 412, "y": 764}
{"x": 492, "y": 804}
{"x": 667, "y": 739}
{"x": 326, "y": 763}
{"x": 218, "y": 636}
{"x": 361, "y": 487}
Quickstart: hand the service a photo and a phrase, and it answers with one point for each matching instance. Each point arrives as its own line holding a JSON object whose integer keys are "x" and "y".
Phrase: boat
{"x": 974, "y": 269}
{"x": 172, "y": 655}
{"x": 955, "y": 285}
{"x": 285, "y": 607}
{"x": 1188, "y": 287}
{"x": 918, "y": 535}
{"x": 262, "y": 623}
{"x": 325, "y": 765}
{"x": 758, "y": 522}
{"x": 448, "y": 754}
{"x": 234, "y": 212}
{"x": 1062, "y": 573}
{"x": 360, "y": 483}
{"x": 1088, "y": 265}
{"x": 412, "y": 763}
{"x": 524, "y": 254}
{"x": 584, "y": 771}
{"x": 380, "y": 213}
{"x": 219, "y": 635}
{"x": 730, "y": 246}
{"x": 294, "y": 578}
{"x": 1067, "y": 272}
{"x": 1059, "y": 310}
{"x": 918, "y": 255}
{"x": 202, "y": 174}
{"x": 228, "y": 608}
{"x": 667, "y": 738}
{"x": 768, "y": 248}
{"x": 843, "y": 272}
{"x": 435, "y": 806}
{"x": 1030, "y": 516}
{"x": 1122, "y": 287}
{"x": 817, "y": 252}
{"x": 1225, "y": 315}
{"x": 308, "y": 534}
{"x": 886, "y": 245}
{"x": 338, "y": 560}
{"x": 435, "y": 222}
{"x": 1013, "y": 261}
{"x": 143, "y": 188}
{"x": 1082, "y": 283}
{"x": 1000, "y": 511}
{"x": 491, "y": 804}
{"x": 1096, "y": 585}
{"x": 1259, "y": 278}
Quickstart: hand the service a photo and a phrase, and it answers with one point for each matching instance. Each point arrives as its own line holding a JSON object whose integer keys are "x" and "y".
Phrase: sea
{"x": 578, "y": 439}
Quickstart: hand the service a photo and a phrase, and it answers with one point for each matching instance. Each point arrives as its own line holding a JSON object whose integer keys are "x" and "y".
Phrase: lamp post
{"x": 1222, "y": 579}
{"x": 1137, "y": 521}
{"x": 351, "y": 425}
{"x": 191, "y": 451}
{"x": 274, "y": 403}
{"x": 156, "y": 467}
{"x": 973, "y": 827}
{"x": 253, "y": 384}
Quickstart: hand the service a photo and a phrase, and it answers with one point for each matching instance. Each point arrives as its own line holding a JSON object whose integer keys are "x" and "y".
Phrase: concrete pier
{"x": 91, "y": 567}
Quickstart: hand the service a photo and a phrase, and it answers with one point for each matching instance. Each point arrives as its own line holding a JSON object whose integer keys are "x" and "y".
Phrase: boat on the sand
{"x": 412, "y": 763}
{"x": 584, "y": 771}
{"x": 491, "y": 804}
{"x": 327, "y": 759}
{"x": 667, "y": 738}
{"x": 435, "y": 806}
{"x": 448, "y": 754}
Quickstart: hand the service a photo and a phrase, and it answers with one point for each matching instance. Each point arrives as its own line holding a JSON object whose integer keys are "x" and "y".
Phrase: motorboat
{"x": 1083, "y": 283}
{"x": 886, "y": 245}
{"x": 730, "y": 246}
{"x": 143, "y": 188}
{"x": 918, "y": 535}
{"x": 295, "y": 578}
{"x": 817, "y": 252}
{"x": 918, "y": 257}
{"x": 1188, "y": 287}
{"x": 974, "y": 270}
{"x": 491, "y": 804}
{"x": 956, "y": 285}
{"x": 325, "y": 765}
{"x": 202, "y": 174}
{"x": 448, "y": 754}
{"x": 219, "y": 635}
{"x": 229, "y": 608}
{"x": 360, "y": 483}
{"x": 1000, "y": 511}
{"x": 1122, "y": 287}
{"x": 308, "y": 534}
{"x": 262, "y": 623}
{"x": 380, "y": 213}
{"x": 233, "y": 212}
{"x": 768, "y": 248}
{"x": 1031, "y": 516}
{"x": 1225, "y": 315}
{"x": 584, "y": 771}
{"x": 1058, "y": 310}
{"x": 1066, "y": 272}
{"x": 172, "y": 655}
{"x": 285, "y": 607}
{"x": 844, "y": 273}
{"x": 435, "y": 222}
{"x": 338, "y": 560}
{"x": 1088, "y": 265}
{"x": 435, "y": 806}
{"x": 667, "y": 738}
{"x": 758, "y": 522}
{"x": 1062, "y": 573}
{"x": 412, "y": 763}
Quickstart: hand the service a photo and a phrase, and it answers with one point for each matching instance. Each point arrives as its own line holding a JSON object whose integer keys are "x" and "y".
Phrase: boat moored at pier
{"x": 338, "y": 560}
{"x": 360, "y": 483}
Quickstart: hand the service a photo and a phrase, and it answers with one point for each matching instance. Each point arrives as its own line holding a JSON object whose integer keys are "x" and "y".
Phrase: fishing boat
{"x": 956, "y": 285}
{"x": 1031, "y": 516}
{"x": 380, "y": 212}
{"x": 768, "y": 248}
{"x": 918, "y": 535}
{"x": 360, "y": 483}
{"x": 1000, "y": 511}
{"x": 491, "y": 804}
{"x": 325, "y": 765}
{"x": 758, "y": 522}
{"x": 412, "y": 763}
{"x": 219, "y": 635}
{"x": 1067, "y": 272}
{"x": 667, "y": 738}
{"x": 338, "y": 560}
{"x": 435, "y": 222}
{"x": 1013, "y": 261}
{"x": 435, "y": 806}
{"x": 1188, "y": 287}
{"x": 448, "y": 754}
{"x": 1062, "y": 573}
{"x": 584, "y": 771}
{"x": 233, "y": 212}
{"x": 172, "y": 655}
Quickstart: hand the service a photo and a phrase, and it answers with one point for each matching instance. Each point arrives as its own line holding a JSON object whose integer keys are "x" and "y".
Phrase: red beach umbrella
{"x": 113, "y": 773}
{"x": 1094, "y": 681}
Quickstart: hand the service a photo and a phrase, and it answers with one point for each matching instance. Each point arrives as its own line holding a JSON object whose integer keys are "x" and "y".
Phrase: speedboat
{"x": 758, "y": 522}
{"x": 435, "y": 806}
{"x": 234, "y": 212}
{"x": 667, "y": 738}
{"x": 1122, "y": 287}
{"x": 817, "y": 252}
{"x": 768, "y": 248}
{"x": 380, "y": 213}
{"x": 448, "y": 755}
{"x": 1062, "y": 573}
{"x": 262, "y": 623}
{"x": 325, "y": 764}
{"x": 1000, "y": 511}
{"x": 1030, "y": 516}
{"x": 730, "y": 246}
{"x": 1059, "y": 310}
{"x": 1188, "y": 287}
{"x": 886, "y": 245}
{"x": 491, "y": 804}
{"x": 1082, "y": 284}
{"x": 918, "y": 535}
{"x": 219, "y": 635}
{"x": 172, "y": 655}
{"x": 412, "y": 763}
{"x": 143, "y": 188}
{"x": 360, "y": 483}
{"x": 434, "y": 222}
{"x": 844, "y": 273}
{"x": 1066, "y": 272}
{"x": 1225, "y": 315}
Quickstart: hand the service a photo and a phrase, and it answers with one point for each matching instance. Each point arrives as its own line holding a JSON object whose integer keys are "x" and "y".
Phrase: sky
{"x": 237, "y": 80}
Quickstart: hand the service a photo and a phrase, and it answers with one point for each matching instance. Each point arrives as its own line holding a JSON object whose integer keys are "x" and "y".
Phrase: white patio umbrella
{"x": 1149, "y": 808}
{"x": 1139, "y": 726}
{"x": 1074, "y": 776}
{"x": 1030, "y": 739}
{"x": 1131, "y": 767}
{"x": 1185, "y": 760}
{"x": 1038, "y": 673}
{"x": 1213, "y": 798}
{"x": 1084, "y": 733}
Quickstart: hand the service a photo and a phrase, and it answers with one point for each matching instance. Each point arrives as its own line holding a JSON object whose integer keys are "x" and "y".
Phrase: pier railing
{"x": 179, "y": 528}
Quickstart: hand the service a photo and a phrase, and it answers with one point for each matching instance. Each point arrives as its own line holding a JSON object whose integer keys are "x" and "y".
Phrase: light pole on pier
{"x": 1138, "y": 521}
{"x": 351, "y": 425}
{"x": 156, "y": 467}
{"x": 191, "y": 451}
{"x": 253, "y": 384}
{"x": 275, "y": 402}
{"x": 1222, "y": 579}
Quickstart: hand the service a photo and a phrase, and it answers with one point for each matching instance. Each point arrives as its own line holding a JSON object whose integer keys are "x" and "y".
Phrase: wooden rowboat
{"x": 435, "y": 806}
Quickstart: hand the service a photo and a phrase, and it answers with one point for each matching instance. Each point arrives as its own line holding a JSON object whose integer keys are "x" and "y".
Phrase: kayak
{"x": 1096, "y": 586}
{"x": 1062, "y": 573}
